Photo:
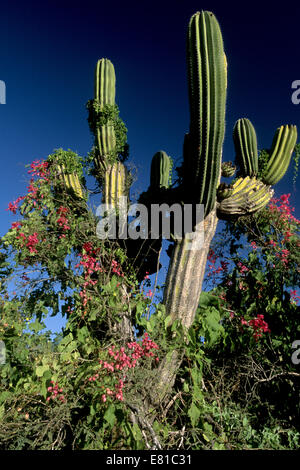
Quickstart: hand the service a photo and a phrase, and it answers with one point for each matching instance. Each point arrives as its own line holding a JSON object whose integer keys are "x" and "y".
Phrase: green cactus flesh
{"x": 71, "y": 181}
{"x": 161, "y": 171}
{"x": 249, "y": 195}
{"x": 105, "y": 92}
{"x": 207, "y": 78}
{"x": 280, "y": 154}
{"x": 224, "y": 191}
{"x": 115, "y": 184}
{"x": 245, "y": 143}
{"x": 105, "y": 82}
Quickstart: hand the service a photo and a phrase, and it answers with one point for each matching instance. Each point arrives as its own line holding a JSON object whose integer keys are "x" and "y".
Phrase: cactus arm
{"x": 182, "y": 292}
{"x": 161, "y": 171}
{"x": 207, "y": 78}
{"x": 245, "y": 143}
{"x": 104, "y": 99}
{"x": 105, "y": 82}
{"x": 249, "y": 195}
{"x": 280, "y": 155}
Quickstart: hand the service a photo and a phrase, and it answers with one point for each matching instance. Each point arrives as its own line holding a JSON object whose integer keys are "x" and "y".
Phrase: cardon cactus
{"x": 101, "y": 111}
{"x": 280, "y": 154}
{"x": 245, "y": 143}
{"x": 199, "y": 176}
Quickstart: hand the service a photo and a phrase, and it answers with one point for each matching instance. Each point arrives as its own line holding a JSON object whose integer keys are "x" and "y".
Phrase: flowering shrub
{"x": 258, "y": 325}
{"x": 122, "y": 361}
{"x": 56, "y": 392}
{"x": 63, "y": 267}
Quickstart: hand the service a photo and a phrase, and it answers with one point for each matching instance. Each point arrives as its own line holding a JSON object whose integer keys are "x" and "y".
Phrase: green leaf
{"x": 194, "y": 414}
{"x": 110, "y": 416}
{"x": 41, "y": 369}
{"x": 166, "y": 321}
{"x": 207, "y": 300}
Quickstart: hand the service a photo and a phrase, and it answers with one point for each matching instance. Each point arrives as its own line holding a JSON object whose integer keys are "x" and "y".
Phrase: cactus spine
{"x": 207, "y": 79}
{"x": 280, "y": 154}
{"x": 245, "y": 142}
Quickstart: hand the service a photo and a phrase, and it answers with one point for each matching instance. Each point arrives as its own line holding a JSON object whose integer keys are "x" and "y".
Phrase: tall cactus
{"x": 207, "y": 79}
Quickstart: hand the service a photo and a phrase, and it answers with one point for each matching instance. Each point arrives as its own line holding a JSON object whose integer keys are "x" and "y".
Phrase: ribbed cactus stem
{"x": 245, "y": 142}
{"x": 71, "y": 181}
{"x": 280, "y": 154}
{"x": 248, "y": 196}
{"x": 115, "y": 184}
{"x": 161, "y": 171}
{"x": 105, "y": 92}
{"x": 105, "y": 82}
{"x": 207, "y": 79}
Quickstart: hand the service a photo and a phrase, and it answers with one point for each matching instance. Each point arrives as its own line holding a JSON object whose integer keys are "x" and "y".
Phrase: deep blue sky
{"x": 48, "y": 51}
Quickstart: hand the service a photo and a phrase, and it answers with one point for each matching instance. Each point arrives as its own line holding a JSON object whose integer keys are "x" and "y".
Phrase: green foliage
{"x": 99, "y": 116}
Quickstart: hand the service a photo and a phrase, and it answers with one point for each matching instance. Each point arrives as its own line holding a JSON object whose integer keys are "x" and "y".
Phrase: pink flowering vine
{"x": 120, "y": 361}
{"x": 258, "y": 325}
{"x": 56, "y": 392}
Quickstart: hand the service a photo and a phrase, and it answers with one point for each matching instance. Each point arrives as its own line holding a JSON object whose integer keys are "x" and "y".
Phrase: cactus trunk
{"x": 182, "y": 292}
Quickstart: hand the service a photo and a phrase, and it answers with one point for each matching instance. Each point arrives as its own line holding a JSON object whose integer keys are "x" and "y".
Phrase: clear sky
{"x": 48, "y": 52}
